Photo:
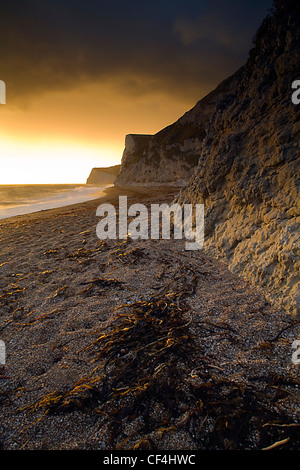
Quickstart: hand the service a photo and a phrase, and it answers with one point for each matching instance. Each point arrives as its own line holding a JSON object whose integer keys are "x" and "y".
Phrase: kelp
{"x": 93, "y": 285}
{"x": 152, "y": 378}
{"x": 127, "y": 256}
{"x": 10, "y": 296}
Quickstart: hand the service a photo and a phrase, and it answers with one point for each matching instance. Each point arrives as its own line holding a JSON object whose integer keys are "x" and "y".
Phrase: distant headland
{"x": 105, "y": 175}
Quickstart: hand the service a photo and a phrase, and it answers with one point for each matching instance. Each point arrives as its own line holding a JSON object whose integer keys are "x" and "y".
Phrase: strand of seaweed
{"x": 152, "y": 378}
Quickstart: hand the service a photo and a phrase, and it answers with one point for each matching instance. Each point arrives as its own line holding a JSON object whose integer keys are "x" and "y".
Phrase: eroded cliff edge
{"x": 105, "y": 175}
{"x": 241, "y": 144}
{"x": 249, "y": 174}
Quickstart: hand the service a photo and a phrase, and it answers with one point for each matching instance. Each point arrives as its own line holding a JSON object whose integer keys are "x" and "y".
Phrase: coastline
{"x": 61, "y": 204}
{"x": 110, "y": 193}
{"x": 69, "y": 303}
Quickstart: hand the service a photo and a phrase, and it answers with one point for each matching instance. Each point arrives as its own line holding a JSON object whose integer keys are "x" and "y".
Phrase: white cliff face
{"x": 100, "y": 176}
{"x": 239, "y": 149}
{"x": 134, "y": 147}
{"x": 134, "y": 141}
{"x": 249, "y": 171}
{"x": 147, "y": 161}
{"x": 172, "y": 155}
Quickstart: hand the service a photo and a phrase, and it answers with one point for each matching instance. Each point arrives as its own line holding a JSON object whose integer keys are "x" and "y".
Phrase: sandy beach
{"x": 136, "y": 344}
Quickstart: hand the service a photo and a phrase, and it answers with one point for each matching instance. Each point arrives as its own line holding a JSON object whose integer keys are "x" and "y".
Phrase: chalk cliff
{"x": 168, "y": 157}
{"x": 241, "y": 144}
{"x": 249, "y": 172}
{"x": 105, "y": 175}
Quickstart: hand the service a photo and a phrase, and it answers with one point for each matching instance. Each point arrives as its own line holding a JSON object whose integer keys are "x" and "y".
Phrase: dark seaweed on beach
{"x": 94, "y": 284}
{"x": 152, "y": 378}
{"x": 10, "y": 296}
{"x": 127, "y": 256}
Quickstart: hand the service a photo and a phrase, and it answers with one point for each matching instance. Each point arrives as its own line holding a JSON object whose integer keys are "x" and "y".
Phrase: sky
{"x": 81, "y": 74}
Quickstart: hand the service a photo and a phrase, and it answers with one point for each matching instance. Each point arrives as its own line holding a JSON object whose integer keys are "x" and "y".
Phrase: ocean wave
{"x": 21, "y": 200}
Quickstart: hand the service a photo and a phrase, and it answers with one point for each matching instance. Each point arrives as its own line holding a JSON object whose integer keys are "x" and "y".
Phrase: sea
{"x": 19, "y": 199}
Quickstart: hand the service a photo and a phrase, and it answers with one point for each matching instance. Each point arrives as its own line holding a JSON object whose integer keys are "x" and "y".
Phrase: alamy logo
{"x": 2, "y": 92}
{"x": 296, "y": 353}
{"x": 2, "y": 353}
{"x": 296, "y": 94}
{"x": 185, "y": 224}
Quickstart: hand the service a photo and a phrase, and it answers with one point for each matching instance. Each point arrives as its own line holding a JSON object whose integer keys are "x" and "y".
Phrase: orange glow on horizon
{"x": 51, "y": 163}
{"x": 59, "y": 136}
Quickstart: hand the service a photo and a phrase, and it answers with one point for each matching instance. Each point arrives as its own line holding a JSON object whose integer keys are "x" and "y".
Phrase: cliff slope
{"x": 239, "y": 149}
{"x": 170, "y": 156}
{"x": 105, "y": 175}
{"x": 249, "y": 171}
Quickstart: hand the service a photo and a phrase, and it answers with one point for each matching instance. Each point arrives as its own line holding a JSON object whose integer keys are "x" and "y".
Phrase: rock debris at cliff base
{"x": 136, "y": 344}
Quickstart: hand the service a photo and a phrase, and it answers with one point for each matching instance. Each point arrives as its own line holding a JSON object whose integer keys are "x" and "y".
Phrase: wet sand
{"x": 136, "y": 344}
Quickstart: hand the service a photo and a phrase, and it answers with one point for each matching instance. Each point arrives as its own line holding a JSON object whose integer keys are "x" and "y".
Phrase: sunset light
{"x": 59, "y": 136}
{"x": 51, "y": 163}
{"x": 149, "y": 229}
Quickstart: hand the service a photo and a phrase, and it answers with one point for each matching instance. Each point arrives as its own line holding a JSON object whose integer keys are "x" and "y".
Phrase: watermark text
{"x": 296, "y": 353}
{"x": 2, "y": 353}
{"x": 181, "y": 222}
{"x": 296, "y": 94}
{"x": 2, "y": 92}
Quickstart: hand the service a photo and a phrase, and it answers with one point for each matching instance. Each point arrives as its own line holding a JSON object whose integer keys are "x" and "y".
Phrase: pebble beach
{"x": 136, "y": 344}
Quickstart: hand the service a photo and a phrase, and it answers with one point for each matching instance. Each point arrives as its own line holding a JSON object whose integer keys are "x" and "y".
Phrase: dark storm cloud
{"x": 172, "y": 46}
